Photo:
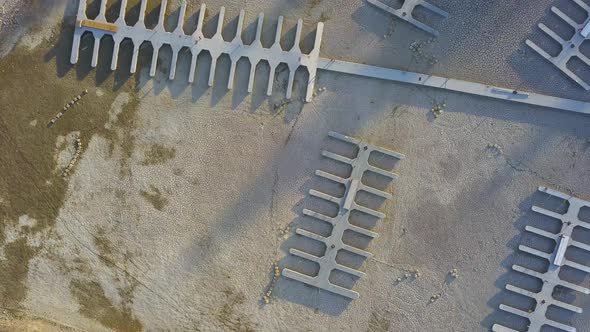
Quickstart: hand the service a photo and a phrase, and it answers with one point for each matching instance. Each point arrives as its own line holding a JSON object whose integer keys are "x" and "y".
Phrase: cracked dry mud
{"x": 184, "y": 195}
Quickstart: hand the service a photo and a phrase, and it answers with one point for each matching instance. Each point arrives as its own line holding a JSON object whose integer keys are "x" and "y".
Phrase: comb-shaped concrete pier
{"x": 196, "y": 43}
{"x": 340, "y": 223}
{"x": 551, "y": 279}
{"x": 569, "y": 48}
{"x": 406, "y": 12}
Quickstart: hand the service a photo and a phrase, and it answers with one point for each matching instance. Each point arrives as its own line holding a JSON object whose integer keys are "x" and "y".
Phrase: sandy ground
{"x": 186, "y": 241}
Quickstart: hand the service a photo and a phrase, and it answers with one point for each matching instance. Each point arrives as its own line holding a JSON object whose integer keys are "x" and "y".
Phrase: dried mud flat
{"x": 184, "y": 196}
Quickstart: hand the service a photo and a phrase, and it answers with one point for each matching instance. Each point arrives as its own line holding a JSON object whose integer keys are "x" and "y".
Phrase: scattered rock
{"x": 495, "y": 148}
{"x": 275, "y": 277}
{"x": 409, "y": 273}
{"x": 438, "y": 108}
{"x": 66, "y": 108}
{"x": 72, "y": 163}
{"x": 278, "y": 107}
{"x": 420, "y": 54}
{"x": 284, "y": 231}
{"x": 391, "y": 29}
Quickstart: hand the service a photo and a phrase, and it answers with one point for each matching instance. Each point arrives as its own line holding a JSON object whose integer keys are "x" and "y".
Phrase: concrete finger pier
{"x": 569, "y": 48}
{"x": 406, "y": 12}
{"x": 551, "y": 279}
{"x": 196, "y": 43}
{"x": 341, "y": 222}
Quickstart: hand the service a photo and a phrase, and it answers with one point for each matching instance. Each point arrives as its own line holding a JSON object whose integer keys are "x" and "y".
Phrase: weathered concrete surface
{"x": 185, "y": 239}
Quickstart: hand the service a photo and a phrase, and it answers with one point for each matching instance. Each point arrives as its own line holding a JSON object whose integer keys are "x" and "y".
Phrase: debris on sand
{"x": 419, "y": 53}
{"x": 438, "y": 108}
{"x": 72, "y": 163}
{"x": 415, "y": 274}
{"x": 67, "y": 107}
{"x": 454, "y": 273}
{"x": 275, "y": 278}
{"x": 495, "y": 149}
{"x": 435, "y": 297}
{"x": 280, "y": 106}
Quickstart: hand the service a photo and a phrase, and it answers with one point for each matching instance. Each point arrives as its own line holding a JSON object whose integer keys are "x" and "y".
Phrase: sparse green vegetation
{"x": 94, "y": 304}
{"x": 314, "y": 3}
{"x": 41, "y": 82}
{"x": 228, "y": 316}
{"x": 155, "y": 198}
{"x": 158, "y": 154}
{"x": 378, "y": 323}
{"x": 13, "y": 273}
{"x": 104, "y": 246}
{"x": 324, "y": 17}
